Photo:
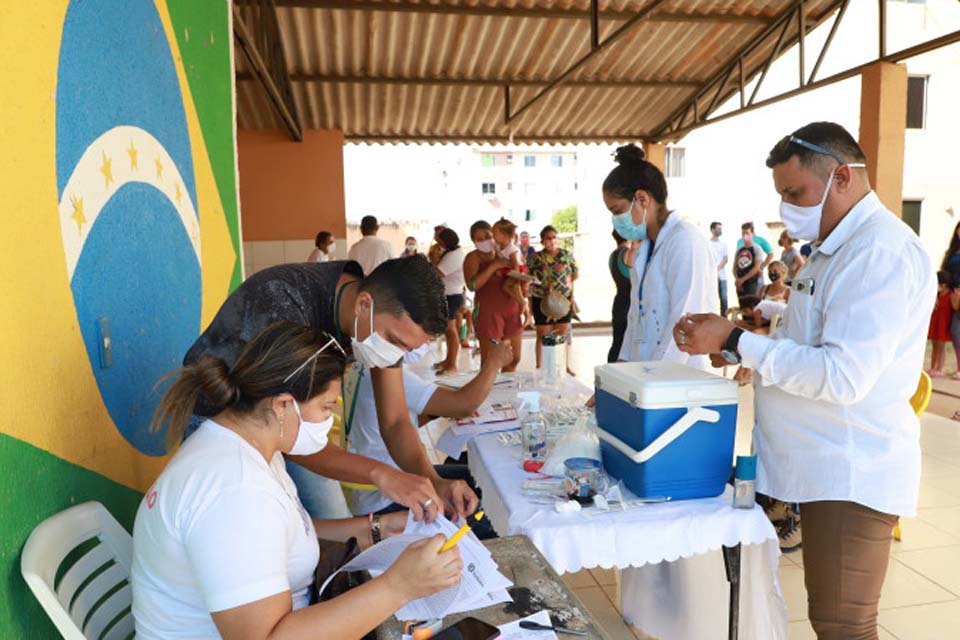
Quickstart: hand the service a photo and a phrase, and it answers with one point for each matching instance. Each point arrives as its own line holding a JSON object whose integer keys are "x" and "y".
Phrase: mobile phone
{"x": 469, "y": 629}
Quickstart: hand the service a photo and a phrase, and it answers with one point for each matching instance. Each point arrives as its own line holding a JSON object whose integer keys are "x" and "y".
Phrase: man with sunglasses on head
{"x": 835, "y": 430}
{"x": 378, "y": 319}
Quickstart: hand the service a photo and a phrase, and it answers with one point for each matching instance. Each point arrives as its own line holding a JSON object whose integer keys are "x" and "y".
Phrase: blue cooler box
{"x": 666, "y": 429}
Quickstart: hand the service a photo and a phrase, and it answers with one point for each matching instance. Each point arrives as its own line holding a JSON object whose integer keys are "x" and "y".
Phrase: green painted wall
{"x": 205, "y": 47}
{"x": 37, "y": 485}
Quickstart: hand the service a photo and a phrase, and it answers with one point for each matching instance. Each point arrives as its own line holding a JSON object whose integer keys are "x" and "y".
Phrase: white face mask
{"x": 803, "y": 223}
{"x": 411, "y": 247}
{"x": 331, "y": 247}
{"x": 375, "y": 352}
{"x": 415, "y": 356}
{"x": 312, "y": 436}
{"x": 484, "y": 246}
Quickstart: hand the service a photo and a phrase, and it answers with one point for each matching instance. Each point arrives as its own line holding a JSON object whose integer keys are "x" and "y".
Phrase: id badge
{"x": 805, "y": 286}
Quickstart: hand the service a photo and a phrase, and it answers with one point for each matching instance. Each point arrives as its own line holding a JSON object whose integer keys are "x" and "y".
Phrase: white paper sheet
{"x": 513, "y": 631}
{"x": 481, "y": 583}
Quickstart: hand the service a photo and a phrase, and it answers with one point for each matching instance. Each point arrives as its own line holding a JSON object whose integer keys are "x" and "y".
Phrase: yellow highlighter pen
{"x": 462, "y": 531}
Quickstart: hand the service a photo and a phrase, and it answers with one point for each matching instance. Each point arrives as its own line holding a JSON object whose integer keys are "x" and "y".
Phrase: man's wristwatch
{"x": 729, "y": 350}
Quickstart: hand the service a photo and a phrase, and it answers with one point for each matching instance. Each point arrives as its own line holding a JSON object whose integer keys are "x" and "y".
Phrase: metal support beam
{"x": 883, "y": 28}
{"x": 269, "y": 69}
{"x": 829, "y": 40}
{"x": 801, "y": 41}
{"x": 506, "y": 104}
{"x": 641, "y": 83}
{"x": 503, "y": 11}
{"x": 773, "y": 56}
{"x": 924, "y": 47}
{"x": 738, "y": 59}
{"x": 594, "y": 24}
{"x": 625, "y": 28}
{"x": 532, "y": 138}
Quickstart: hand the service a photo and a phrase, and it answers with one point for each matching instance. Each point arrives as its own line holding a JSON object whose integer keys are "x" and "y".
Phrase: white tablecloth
{"x": 653, "y": 538}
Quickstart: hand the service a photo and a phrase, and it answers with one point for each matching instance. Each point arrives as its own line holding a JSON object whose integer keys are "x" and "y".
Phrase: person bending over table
{"x": 394, "y": 310}
{"x": 423, "y": 399}
{"x": 222, "y": 545}
{"x": 834, "y": 427}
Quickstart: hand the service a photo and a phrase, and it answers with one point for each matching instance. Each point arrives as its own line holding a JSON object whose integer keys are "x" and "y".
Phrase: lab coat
{"x": 680, "y": 277}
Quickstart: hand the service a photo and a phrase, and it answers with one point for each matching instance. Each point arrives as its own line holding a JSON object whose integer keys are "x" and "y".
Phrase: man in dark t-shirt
{"x": 403, "y": 301}
{"x": 748, "y": 264}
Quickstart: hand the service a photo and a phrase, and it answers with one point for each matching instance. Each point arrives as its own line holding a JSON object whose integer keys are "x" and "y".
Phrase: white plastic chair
{"x": 93, "y": 597}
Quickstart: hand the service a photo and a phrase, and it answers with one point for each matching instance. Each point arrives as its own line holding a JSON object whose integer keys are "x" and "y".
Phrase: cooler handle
{"x": 692, "y": 417}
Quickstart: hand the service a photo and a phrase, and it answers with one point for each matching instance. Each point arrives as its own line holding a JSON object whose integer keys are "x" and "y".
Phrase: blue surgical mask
{"x": 626, "y": 227}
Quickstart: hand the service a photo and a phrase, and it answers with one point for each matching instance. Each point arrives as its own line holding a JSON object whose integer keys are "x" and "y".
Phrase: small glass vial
{"x": 744, "y": 482}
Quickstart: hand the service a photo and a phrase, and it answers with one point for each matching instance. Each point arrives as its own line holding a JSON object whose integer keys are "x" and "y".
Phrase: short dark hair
{"x": 477, "y": 226}
{"x": 747, "y": 226}
{"x": 945, "y": 277}
{"x": 634, "y": 172}
{"x": 322, "y": 237}
{"x": 829, "y": 135}
{"x": 749, "y": 301}
{"x": 714, "y": 225}
{"x": 547, "y": 229}
{"x": 409, "y": 286}
{"x": 369, "y": 224}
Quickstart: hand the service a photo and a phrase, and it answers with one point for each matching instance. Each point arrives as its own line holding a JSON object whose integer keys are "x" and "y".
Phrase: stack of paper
{"x": 513, "y": 631}
{"x": 460, "y": 380}
{"x": 481, "y": 583}
{"x": 489, "y": 416}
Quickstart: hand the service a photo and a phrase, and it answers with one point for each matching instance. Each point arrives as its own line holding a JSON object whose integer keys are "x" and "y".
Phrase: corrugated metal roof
{"x": 416, "y": 70}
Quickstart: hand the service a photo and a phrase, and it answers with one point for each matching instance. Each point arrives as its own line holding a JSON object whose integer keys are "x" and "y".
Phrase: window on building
{"x": 509, "y": 186}
{"x": 911, "y": 214}
{"x": 487, "y": 160}
{"x": 917, "y": 102}
{"x": 529, "y": 161}
{"x": 489, "y": 188}
{"x": 529, "y": 215}
{"x": 509, "y": 158}
{"x": 675, "y": 162}
{"x": 575, "y": 186}
{"x": 556, "y": 161}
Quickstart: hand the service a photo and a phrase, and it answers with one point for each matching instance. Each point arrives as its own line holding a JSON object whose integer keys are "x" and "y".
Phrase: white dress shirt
{"x": 833, "y": 386}
{"x": 370, "y": 252}
{"x": 680, "y": 277}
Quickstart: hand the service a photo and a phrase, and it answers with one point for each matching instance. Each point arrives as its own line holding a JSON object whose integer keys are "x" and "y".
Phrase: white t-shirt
{"x": 218, "y": 529}
{"x": 720, "y": 252}
{"x": 770, "y": 308}
{"x": 451, "y": 266}
{"x": 370, "y": 252}
{"x": 364, "y": 437}
{"x": 508, "y": 251}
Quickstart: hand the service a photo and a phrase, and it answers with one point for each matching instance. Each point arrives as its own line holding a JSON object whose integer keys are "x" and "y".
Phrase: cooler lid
{"x": 661, "y": 384}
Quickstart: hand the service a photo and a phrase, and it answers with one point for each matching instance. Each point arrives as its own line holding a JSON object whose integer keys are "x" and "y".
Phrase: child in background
{"x": 504, "y": 232}
{"x": 939, "y": 332}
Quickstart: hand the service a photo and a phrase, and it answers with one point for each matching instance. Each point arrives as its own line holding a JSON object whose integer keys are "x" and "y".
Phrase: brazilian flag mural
{"x": 121, "y": 238}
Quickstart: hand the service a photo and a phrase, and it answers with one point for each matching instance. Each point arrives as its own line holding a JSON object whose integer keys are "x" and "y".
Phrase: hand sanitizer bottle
{"x": 744, "y": 482}
{"x": 533, "y": 429}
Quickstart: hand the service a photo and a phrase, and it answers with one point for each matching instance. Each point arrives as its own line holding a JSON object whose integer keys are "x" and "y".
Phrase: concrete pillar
{"x": 656, "y": 153}
{"x": 883, "y": 123}
{"x": 289, "y": 191}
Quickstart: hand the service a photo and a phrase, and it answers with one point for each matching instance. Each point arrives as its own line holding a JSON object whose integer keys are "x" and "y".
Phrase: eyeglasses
{"x": 815, "y": 148}
{"x": 331, "y": 341}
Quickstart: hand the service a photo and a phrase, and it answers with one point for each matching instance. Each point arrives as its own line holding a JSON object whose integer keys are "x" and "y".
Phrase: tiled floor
{"x": 921, "y": 598}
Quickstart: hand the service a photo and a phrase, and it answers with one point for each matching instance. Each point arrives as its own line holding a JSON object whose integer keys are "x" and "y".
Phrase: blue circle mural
{"x": 128, "y": 198}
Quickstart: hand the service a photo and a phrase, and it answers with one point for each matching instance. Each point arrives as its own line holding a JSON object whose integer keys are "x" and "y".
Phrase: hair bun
{"x": 215, "y": 382}
{"x": 629, "y": 155}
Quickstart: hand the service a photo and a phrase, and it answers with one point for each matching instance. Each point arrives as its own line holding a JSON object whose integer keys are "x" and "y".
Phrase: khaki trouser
{"x": 846, "y": 549}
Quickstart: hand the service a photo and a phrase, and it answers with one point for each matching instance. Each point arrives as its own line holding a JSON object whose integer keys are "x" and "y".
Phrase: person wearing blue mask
{"x": 834, "y": 427}
{"x": 673, "y": 271}
{"x": 376, "y": 319}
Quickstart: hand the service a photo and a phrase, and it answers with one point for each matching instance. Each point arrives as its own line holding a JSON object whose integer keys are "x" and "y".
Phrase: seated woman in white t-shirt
{"x": 222, "y": 545}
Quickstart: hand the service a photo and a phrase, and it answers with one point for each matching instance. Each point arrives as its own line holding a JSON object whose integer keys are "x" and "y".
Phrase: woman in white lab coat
{"x": 673, "y": 272}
